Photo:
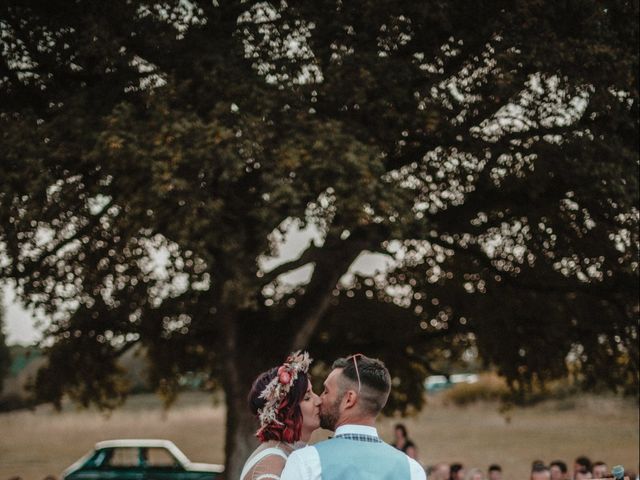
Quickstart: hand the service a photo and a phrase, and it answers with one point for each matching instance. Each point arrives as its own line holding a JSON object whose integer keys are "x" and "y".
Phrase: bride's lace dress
{"x": 267, "y": 461}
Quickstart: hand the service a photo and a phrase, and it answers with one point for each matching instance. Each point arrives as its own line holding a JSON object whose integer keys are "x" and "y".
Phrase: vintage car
{"x": 139, "y": 460}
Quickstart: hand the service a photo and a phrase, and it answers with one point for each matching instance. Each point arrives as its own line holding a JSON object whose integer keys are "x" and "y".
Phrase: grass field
{"x": 35, "y": 444}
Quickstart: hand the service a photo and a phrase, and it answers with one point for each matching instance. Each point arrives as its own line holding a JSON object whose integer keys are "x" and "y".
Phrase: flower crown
{"x": 278, "y": 388}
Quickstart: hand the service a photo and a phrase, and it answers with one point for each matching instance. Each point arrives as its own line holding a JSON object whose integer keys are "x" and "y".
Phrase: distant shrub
{"x": 492, "y": 387}
{"x": 565, "y": 404}
{"x": 489, "y": 387}
{"x": 13, "y": 401}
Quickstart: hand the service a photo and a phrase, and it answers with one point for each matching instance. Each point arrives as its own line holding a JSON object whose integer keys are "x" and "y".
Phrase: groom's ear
{"x": 350, "y": 399}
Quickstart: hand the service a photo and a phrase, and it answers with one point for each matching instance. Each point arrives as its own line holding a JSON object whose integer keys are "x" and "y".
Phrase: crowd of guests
{"x": 583, "y": 467}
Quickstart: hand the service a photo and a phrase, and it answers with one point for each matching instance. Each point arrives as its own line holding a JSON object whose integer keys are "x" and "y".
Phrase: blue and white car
{"x": 145, "y": 459}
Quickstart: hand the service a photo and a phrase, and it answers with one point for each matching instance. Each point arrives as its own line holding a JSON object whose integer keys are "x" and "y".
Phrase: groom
{"x": 354, "y": 394}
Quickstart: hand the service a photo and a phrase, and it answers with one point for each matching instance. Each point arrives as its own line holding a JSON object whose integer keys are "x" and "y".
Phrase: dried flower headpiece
{"x": 278, "y": 388}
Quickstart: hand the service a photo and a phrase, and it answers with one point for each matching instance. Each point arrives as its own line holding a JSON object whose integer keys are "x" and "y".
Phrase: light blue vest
{"x": 346, "y": 459}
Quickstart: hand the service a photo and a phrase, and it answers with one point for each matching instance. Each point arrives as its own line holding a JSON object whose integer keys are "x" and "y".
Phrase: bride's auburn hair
{"x": 288, "y": 412}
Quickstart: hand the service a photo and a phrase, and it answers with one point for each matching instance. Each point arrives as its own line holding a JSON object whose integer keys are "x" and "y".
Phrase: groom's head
{"x": 356, "y": 390}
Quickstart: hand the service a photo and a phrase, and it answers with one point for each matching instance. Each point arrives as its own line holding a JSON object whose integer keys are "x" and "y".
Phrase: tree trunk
{"x": 240, "y": 438}
{"x": 240, "y": 426}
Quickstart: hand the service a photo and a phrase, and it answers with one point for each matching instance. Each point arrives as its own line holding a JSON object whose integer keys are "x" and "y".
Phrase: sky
{"x": 19, "y": 324}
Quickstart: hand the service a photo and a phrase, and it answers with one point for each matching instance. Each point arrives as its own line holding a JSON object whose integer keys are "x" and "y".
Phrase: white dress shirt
{"x": 304, "y": 464}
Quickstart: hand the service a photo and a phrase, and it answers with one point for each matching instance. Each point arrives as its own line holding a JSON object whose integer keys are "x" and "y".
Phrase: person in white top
{"x": 288, "y": 412}
{"x": 354, "y": 394}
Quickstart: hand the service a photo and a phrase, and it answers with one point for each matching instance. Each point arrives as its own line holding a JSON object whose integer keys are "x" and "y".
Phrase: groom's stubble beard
{"x": 329, "y": 415}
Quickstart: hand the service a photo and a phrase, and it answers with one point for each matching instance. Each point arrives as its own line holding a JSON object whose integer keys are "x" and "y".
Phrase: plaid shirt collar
{"x": 358, "y": 432}
{"x": 359, "y": 438}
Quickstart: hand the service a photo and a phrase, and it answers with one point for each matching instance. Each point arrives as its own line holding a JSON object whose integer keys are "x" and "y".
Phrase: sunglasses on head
{"x": 354, "y": 357}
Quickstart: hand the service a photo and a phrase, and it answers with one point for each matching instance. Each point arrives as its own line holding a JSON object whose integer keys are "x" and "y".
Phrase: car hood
{"x": 204, "y": 467}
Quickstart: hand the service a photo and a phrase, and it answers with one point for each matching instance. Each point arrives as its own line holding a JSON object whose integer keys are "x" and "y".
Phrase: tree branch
{"x": 31, "y": 265}
{"x": 541, "y": 287}
{"x": 333, "y": 261}
{"x": 308, "y": 256}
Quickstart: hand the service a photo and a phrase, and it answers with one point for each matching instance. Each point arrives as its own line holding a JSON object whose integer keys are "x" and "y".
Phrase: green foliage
{"x": 488, "y": 148}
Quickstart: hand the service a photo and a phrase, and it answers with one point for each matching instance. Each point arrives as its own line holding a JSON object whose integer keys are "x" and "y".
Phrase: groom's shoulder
{"x": 320, "y": 444}
{"x": 303, "y": 459}
{"x": 417, "y": 470}
{"x": 325, "y": 445}
{"x": 304, "y": 452}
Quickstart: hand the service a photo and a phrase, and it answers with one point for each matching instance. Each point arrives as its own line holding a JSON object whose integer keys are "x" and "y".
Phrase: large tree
{"x": 155, "y": 154}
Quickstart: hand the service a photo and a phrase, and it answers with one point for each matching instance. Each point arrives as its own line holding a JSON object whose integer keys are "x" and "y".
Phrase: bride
{"x": 288, "y": 411}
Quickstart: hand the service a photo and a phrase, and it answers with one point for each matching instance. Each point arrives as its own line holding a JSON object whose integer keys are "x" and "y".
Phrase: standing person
{"x": 456, "y": 471}
{"x": 582, "y": 474}
{"x": 288, "y": 412}
{"x": 440, "y": 471}
{"x": 558, "y": 470}
{"x": 539, "y": 471}
{"x": 474, "y": 474}
{"x": 403, "y": 443}
{"x": 354, "y": 394}
{"x": 495, "y": 472}
{"x": 581, "y": 466}
{"x": 600, "y": 469}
